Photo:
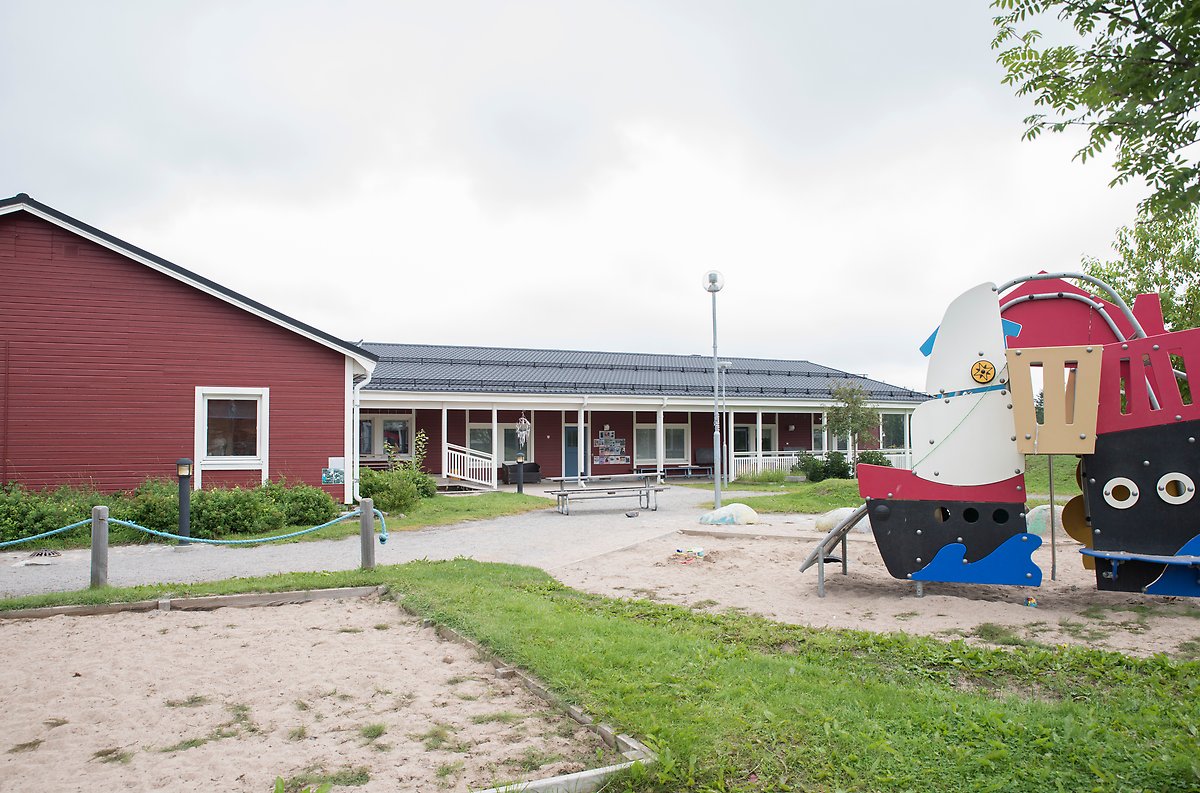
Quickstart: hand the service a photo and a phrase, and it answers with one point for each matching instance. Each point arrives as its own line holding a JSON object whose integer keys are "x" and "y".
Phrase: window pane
{"x": 893, "y": 431}
{"x": 645, "y": 443}
{"x": 841, "y": 443}
{"x": 676, "y": 442}
{"x": 395, "y": 433}
{"x": 232, "y": 427}
{"x": 741, "y": 439}
{"x": 511, "y": 445}
{"x": 366, "y": 436}
{"x": 480, "y": 439}
{"x": 818, "y": 437}
{"x": 768, "y": 439}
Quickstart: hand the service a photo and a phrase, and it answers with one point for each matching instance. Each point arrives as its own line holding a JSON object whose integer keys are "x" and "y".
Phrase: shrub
{"x": 301, "y": 504}
{"x": 155, "y": 505}
{"x": 392, "y": 491}
{"x": 813, "y": 468}
{"x": 218, "y": 513}
{"x": 27, "y": 512}
{"x": 836, "y": 466}
{"x": 873, "y": 458}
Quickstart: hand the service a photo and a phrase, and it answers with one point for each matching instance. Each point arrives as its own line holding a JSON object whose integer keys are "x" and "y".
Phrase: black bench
{"x": 531, "y": 475}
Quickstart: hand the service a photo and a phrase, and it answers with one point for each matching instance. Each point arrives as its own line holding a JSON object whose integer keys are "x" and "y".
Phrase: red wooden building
{"x": 114, "y": 363}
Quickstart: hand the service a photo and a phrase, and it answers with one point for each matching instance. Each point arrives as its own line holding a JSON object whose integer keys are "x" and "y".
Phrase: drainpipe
{"x": 354, "y": 456}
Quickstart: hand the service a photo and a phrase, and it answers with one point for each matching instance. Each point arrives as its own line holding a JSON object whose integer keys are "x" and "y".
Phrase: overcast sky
{"x": 558, "y": 174}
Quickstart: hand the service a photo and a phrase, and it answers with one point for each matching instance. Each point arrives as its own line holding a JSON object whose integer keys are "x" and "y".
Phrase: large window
{"x": 232, "y": 428}
{"x": 479, "y": 438}
{"x": 818, "y": 433}
{"x": 745, "y": 435}
{"x": 675, "y": 443}
{"x": 892, "y": 431}
{"x": 378, "y": 434}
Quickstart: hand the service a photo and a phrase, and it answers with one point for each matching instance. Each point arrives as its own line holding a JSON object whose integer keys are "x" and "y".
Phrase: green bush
{"x": 425, "y": 485}
{"x": 765, "y": 477}
{"x": 155, "y": 505}
{"x": 219, "y": 513}
{"x": 392, "y": 491}
{"x": 873, "y": 458}
{"x": 302, "y": 504}
{"x": 27, "y": 512}
{"x": 836, "y": 466}
{"x": 813, "y": 468}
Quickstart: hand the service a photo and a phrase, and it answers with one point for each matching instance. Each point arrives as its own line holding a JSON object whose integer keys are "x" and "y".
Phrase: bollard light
{"x": 521, "y": 471}
{"x": 183, "y": 467}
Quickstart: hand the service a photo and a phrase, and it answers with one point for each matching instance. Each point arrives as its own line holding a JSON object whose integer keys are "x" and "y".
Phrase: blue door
{"x": 571, "y": 450}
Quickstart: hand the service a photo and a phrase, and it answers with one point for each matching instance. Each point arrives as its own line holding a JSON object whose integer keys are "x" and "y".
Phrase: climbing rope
{"x": 383, "y": 533}
{"x": 50, "y": 533}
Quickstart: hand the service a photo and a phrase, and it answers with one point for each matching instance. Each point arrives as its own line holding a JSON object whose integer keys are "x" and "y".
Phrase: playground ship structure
{"x": 1115, "y": 391}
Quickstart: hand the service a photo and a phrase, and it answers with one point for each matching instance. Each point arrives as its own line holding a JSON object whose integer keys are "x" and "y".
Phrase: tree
{"x": 851, "y": 416}
{"x": 1135, "y": 82}
{"x": 1157, "y": 255}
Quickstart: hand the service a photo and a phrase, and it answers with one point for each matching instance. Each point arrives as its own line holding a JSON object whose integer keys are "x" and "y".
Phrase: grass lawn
{"x": 440, "y": 510}
{"x": 738, "y": 703}
{"x": 810, "y": 498}
{"x": 1037, "y": 478}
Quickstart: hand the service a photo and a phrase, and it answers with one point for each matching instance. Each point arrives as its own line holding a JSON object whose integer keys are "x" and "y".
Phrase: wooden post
{"x": 366, "y": 533}
{"x": 99, "y": 547}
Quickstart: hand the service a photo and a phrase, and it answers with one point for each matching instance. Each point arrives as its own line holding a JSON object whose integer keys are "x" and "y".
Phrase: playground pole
{"x": 1053, "y": 543}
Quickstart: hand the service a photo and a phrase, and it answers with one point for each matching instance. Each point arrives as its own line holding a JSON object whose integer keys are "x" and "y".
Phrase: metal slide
{"x": 835, "y": 537}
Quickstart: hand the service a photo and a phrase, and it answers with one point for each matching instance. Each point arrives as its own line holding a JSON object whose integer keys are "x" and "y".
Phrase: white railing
{"x": 746, "y": 463}
{"x": 470, "y": 465}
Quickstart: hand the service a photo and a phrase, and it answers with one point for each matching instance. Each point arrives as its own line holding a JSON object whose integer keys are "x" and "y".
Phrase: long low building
{"x": 115, "y": 363}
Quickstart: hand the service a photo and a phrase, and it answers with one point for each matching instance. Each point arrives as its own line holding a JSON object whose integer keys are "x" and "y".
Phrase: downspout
{"x": 354, "y": 455}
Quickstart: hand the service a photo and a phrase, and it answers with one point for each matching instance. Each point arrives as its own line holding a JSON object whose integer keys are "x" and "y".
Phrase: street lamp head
{"x": 713, "y": 281}
{"x": 183, "y": 467}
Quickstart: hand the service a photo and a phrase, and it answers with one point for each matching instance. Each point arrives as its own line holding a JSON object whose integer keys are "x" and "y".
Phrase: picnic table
{"x": 587, "y": 487}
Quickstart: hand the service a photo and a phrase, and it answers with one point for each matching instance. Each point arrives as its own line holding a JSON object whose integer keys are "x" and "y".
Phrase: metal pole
{"x": 99, "y": 547}
{"x": 520, "y": 473}
{"x": 366, "y": 533}
{"x": 185, "y": 508}
{"x": 716, "y": 413}
{"x": 1053, "y": 539}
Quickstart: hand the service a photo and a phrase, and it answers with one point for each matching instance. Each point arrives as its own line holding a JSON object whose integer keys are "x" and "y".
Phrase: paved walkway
{"x": 540, "y": 539}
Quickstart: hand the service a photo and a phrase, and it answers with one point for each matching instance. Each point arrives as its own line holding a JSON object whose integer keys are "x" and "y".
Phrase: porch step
{"x": 455, "y": 485}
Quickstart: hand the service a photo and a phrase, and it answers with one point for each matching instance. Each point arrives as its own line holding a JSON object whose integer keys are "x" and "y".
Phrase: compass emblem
{"x": 983, "y": 372}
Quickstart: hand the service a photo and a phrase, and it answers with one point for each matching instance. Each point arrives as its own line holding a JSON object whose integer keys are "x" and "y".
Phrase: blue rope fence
{"x": 50, "y": 533}
{"x": 383, "y": 533}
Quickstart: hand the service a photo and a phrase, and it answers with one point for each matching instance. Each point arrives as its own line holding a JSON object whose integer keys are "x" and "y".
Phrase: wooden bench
{"x": 647, "y": 495}
{"x": 686, "y": 471}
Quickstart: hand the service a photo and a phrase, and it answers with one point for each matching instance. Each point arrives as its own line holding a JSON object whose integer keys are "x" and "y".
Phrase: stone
{"x": 1037, "y": 520}
{"x": 730, "y": 515}
{"x": 835, "y": 516}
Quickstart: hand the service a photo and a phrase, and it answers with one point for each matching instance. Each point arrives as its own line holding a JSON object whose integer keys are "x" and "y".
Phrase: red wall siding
{"x": 104, "y": 356}
{"x": 622, "y": 424}
{"x": 548, "y": 441}
{"x": 702, "y": 433}
{"x": 456, "y": 427}
{"x": 799, "y": 438}
{"x": 430, "y": 420}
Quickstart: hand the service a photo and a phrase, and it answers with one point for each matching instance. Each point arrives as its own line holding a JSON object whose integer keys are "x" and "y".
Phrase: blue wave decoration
{"x": 1010, "y": 564}
{"x": 1179, "y": 580}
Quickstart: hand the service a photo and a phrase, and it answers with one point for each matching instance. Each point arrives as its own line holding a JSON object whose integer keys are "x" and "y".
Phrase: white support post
{"x": 908, "y": 451}
{"x": 758, "y": 464}
{"x": 727, "y": 451}
{"x": 496, "y": 461}
{"x": 582, "y": 449}
{"x": 445, "y": 442}
{"x": 660, "y": 443}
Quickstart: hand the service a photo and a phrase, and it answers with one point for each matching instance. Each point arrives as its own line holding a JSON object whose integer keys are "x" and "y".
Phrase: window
{"x": 395, "y": 436}
{"x": 232, "y": 428}
{"x": 675, "y": 444}
{"x": 818, "y": 432}
{"x": 746, "y": 435}
{"x": 366, "y": 436}
{"x": 479, "y": 438}
{"x": 892, "y": 431}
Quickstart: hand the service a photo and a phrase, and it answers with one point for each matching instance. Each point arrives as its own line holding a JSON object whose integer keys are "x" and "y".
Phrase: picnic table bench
{"x": 645, "y": 490}
{"x": 687, "y": 471}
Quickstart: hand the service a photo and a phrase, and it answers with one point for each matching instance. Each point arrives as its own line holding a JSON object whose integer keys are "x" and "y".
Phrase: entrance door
{"x": 571, "y": 450}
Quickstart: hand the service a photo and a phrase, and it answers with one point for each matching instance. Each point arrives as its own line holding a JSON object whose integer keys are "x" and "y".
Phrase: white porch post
{"x": 582, "y": 445}
{"x": 660, "y": 442}
{"x": 495, "y": 446}
{"x": 445, "y": 441}
{"x": 727, "y": 452}
{"x": 908, "y": 439}
{"x": 758, "y": 466}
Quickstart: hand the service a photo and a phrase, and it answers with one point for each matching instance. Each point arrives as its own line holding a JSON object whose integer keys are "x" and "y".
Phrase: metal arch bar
{"x": 1138, "y": 332}
{"x": 1099, "y": 308}
{"x": 1095, "y": 304}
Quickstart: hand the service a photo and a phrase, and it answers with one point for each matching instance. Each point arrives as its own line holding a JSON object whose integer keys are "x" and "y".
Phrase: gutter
{"x": 355, "y": 412}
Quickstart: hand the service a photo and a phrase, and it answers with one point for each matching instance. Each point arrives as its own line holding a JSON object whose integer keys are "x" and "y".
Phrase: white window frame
{"x": 377, "y": 420}
{"x": 500, "y": 428}
{"x": 205, "y": 462}
{"x": 773, "y": 428}
{"x": 687, "y": 444}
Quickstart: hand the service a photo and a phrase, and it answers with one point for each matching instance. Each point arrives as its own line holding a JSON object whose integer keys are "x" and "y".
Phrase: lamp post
{"x": 522, "y": 436}
{"x": 183, "y": 467}
{"x": 713, "y": 281}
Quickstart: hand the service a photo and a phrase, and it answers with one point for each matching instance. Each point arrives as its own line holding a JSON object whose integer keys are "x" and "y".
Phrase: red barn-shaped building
{"x": 114, "y": 363}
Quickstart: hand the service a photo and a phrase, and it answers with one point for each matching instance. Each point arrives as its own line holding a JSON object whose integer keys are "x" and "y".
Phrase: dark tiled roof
{"x": 430, "y": 368}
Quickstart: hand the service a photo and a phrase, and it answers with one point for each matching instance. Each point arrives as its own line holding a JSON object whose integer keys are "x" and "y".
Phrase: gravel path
{"x": 541, "y": 539}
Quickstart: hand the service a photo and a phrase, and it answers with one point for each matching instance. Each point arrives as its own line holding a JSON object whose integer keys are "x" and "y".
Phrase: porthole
{"x": 1176, "y": 488}
{"x": 941, "y": 514}
{"x": 1000, "y": 516}
{"x": 1120, "y": 493}
{"x": 970, "y": 515}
